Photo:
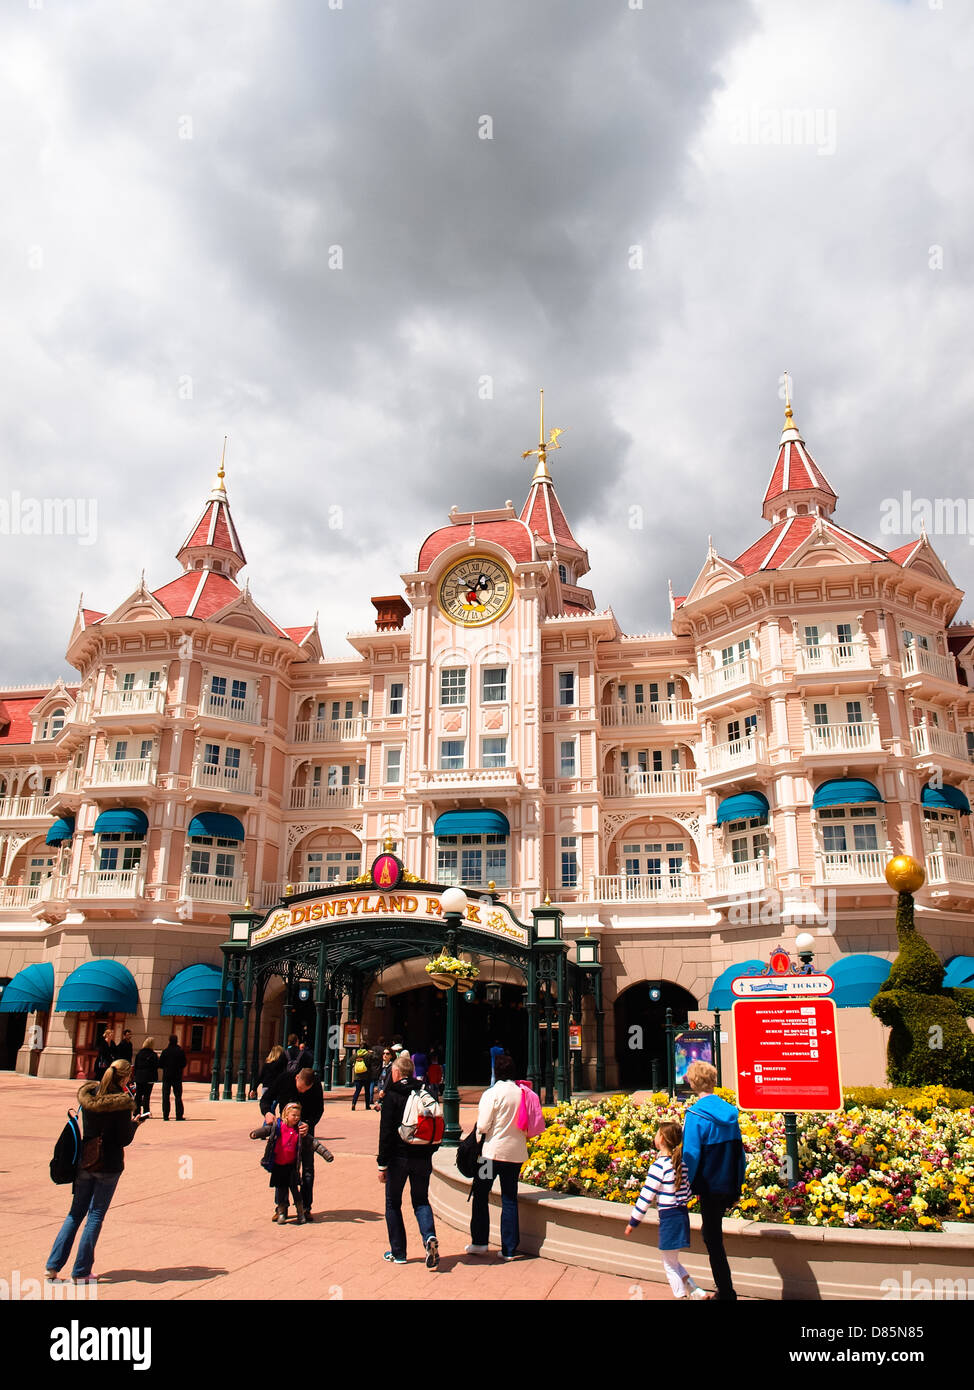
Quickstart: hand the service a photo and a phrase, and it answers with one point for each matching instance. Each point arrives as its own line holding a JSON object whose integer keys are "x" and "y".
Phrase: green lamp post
{"x": 454, "y": 901}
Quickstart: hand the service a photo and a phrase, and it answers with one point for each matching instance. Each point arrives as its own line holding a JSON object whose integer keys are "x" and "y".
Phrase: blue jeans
{"x": 480, "y": 1215}
{"x": 417, "y": 1167}
{"x": 93, "y": 1193}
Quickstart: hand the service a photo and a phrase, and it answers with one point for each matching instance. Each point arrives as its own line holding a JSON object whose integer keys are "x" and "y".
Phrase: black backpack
{"x": 469, "y": 1152}
{"x": 67, "y": 1152}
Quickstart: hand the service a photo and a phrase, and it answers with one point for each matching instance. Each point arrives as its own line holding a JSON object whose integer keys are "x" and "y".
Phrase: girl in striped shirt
{"x": 666, "y": 1184}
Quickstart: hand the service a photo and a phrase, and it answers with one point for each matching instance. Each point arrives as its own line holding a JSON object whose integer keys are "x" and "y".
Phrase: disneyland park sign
{"x": 381, "y": 896}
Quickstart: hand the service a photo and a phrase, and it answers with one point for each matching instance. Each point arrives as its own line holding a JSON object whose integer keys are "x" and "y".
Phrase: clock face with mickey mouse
{"x": 475, "y": 591}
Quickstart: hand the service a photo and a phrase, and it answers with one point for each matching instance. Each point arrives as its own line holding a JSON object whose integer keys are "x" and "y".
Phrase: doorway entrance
{"x": 418, "y": 1016}
{"x": 640, "y": 1031}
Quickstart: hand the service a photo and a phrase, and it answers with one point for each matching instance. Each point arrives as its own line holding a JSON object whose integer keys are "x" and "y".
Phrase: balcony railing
{"x": 646, "y": 888}
{"x": 213, "y": 889}
{"x": 833, "y": 656}
{"x": 943, "y": 866}
{"x": 921, "y": 661}
{"x": 140, "y": 699}
{"x": 852, "y": 866}
{"x": 724, "y": 678}
{"x": 645, "y": 716}
{"x": 125, "y": 772}
{"x": 325, "y": 798}
{"x": 635, "y": 782}
{"x": 455, "y": 779}
{"x": 740, "y": 752}
{"x": 843, "y": 738}
{"x": 330, "y": 730}
{"x": 112, "y": 883}
{"x": 245, "y": 711}
{"x": 67, "y": 781}
{"x": 928, "y": 740}
{"x": 745, "y": 876}
{"x": 224, "y": 779}
{"x": 22, "y": 807}
{"x": 19, "y": 894}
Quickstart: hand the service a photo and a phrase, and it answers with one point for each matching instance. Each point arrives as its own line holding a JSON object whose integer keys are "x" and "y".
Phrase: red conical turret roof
{"x": 796, "y": 480}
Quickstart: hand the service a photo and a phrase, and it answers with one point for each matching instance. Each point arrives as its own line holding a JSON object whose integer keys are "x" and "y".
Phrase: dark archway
{"x": 640, "y": 1031}
{"x": 418, "y": 1016}
{"x": 13, "y": 1027}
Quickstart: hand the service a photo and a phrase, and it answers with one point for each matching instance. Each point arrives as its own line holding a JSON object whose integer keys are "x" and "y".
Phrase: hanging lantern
{"x": 381, "y": 999}
{"x": 493, "y": 994}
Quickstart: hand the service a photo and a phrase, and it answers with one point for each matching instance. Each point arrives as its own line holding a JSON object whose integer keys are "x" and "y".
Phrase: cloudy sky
{"x": 357, "y": 236}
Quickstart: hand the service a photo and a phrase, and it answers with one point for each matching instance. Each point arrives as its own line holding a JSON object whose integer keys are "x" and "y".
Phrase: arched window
{"x": 563, "y": 573}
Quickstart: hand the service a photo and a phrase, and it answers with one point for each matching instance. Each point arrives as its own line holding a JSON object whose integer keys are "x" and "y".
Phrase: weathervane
{"x": 789, "y": 419}
{"x": 542, "y": 450}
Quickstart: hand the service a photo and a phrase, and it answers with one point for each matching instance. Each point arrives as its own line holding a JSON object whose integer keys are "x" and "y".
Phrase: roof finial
{"x": 221, "y": 471}
{"x": 541, "y": 471}
{"x": 789, "y": 418}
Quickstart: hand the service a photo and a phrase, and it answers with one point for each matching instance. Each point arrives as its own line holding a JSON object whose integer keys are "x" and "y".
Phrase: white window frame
{"x": 459, "y": 687}
{"x": 401, "y": 697}
{"x": 393, "y": 766}
{"x": 484, "y": 755}
{"x": 571, "y": 743}
{"x": 452, "y": 766}
{"x": 566, "y": 671}
{"x": 486, "y": 699}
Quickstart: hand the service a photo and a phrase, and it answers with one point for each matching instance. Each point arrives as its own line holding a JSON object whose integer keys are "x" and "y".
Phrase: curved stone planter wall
{"x": 767, "y": 1261}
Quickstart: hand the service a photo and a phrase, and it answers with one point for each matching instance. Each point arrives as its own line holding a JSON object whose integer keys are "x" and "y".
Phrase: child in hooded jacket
{"x": 281, "y": 1158}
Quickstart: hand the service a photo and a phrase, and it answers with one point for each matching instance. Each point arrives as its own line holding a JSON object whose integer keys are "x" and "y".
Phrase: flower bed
{"x": 903, "y": 1166}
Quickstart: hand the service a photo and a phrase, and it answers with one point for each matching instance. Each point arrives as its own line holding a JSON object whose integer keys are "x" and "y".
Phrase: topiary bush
{"x": 930, "y": 1042}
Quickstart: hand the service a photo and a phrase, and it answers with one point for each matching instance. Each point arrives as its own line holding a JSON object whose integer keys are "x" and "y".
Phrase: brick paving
{"x": 191, "y": 1215}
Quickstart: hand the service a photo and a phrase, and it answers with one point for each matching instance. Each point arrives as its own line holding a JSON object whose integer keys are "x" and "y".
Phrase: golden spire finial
{"x": 541, "y": 471}
{"x": 221, "y": 471}
{"x": 789, "y": 418}
{"x": 388, "y": 844}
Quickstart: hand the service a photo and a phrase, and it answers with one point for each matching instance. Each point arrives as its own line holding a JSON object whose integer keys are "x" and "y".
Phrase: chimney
{"x": 391, "y": 611}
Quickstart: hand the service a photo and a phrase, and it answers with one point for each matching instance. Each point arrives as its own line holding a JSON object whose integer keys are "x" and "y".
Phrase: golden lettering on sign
{"x": 378, "y": 904}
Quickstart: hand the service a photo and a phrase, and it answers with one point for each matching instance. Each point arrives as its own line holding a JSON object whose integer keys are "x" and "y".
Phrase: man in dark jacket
{"x": 713, "y": 1156}
{"x": 399, "y": 1161}
{"x": 124, "y": 1050}
{"x": 172, "y": 1059}
{"x": 306, "y": 1090}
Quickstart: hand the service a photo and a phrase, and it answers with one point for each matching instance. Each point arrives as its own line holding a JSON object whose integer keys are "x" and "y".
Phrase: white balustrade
{"x": 853, "y": 865}
{"x": 242, "y": 711}
{"x": 928, "y": 739}
{"x": 111, "y": 883}
{"x": 19, "y": 894}
{"x": 22, "y": 807}
{"x": 729, "y": 677}
{"x": 725, "y": 757}
{"x": 140, "y": 699}
{"x": 744, "y": 876}
{"x": 921, "y": 661}
{"x": 833, "y": 656}
{"x": 943, "y": 866}
{"x": 644, "y": 716}
{"x": 843, "y": 738}
{"x": 212, "y": 888}
{"x": 329, "y": 730}
{"x": 225, "y": 779}
{"x": 637, "y": 783}
{"x": 125, "y": 772}
{"x": 647, "y": 888}
{"x": 321, "y": 798}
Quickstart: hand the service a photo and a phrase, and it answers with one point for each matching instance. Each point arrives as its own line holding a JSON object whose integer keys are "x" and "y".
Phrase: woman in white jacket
{"x": 505, "y": 1149}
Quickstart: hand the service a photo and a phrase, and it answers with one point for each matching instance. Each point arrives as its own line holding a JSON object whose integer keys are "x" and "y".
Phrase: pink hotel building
{"x": 690, "y": 798}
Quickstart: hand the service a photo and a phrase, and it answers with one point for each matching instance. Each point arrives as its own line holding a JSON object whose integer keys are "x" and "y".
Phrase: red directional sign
{"x": 787, "y": 1054}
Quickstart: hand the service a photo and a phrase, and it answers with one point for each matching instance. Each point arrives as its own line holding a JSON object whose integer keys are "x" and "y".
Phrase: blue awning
{"x": 61, "y": 830}
{"x": 958, "y": 975}
{"x": 472, "y": 823}
{"x": 720, "y": 991}
{"x": 193, "y": 993}
{"x": 31, "y": 988}
{"x": 845, "y": 791}
{"x": 127, "y": 820}
{"x": 945, "y": 799}
{"x": 96, "y": 986}
{"x": 217, "y": 824}
{"x": 857, "y": 979}
{"x": 744, "y": 806}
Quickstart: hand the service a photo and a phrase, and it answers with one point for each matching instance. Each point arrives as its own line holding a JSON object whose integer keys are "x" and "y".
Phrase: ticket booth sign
{"x": 787, "y": 1054}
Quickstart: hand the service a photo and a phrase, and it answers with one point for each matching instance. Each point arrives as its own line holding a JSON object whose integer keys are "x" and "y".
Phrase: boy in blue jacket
{"x": 713, "y": 1156}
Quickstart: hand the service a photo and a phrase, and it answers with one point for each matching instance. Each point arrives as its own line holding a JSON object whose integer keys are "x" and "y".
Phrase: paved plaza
{"x": 191, "y": 1215}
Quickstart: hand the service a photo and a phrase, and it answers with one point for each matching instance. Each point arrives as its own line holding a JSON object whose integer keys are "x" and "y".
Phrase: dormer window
{"x": 563, "y": 573}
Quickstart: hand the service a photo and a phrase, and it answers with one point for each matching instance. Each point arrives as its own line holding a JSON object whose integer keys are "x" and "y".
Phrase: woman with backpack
{"x": 108, "y": 1127}
{"x": 505, "y": 1150}
{"x": 362, "y": 1076}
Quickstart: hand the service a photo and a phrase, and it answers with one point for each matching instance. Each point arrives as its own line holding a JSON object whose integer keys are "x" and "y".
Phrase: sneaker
{"x": 281, "y": 1217}
{"x": 278, "y": 1213}
{"x": 475, "y": 1249}
{"x": 432, "y": 1253}
{"x": 510, "y": 1257}
{"x": 52, "y": 1276}
{"x": 692, "y": 1290}
{"x": 393, "y": 1259}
